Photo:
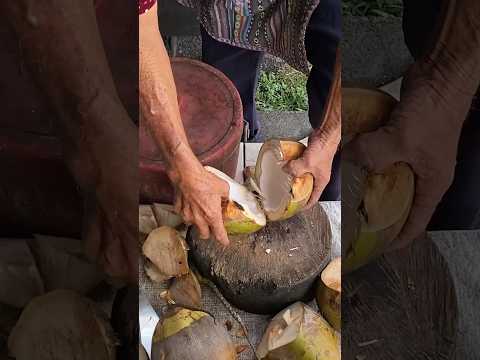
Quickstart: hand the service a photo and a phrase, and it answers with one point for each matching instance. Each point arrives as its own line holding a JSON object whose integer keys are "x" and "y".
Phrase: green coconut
{"x": 191, "y": 335}
{"x": 242, "y": 213}
{"x": 62, "y": 325}
{"x": 328, "y": 294}
{"x": 376, "y": 204}
{"x": 299, "y": 333}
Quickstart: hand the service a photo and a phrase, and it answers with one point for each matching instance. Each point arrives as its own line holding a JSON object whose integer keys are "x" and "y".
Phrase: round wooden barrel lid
{"x": 210, "y": 108}
{"x": 402, "y": 306}
{"x": 266, "y": 271}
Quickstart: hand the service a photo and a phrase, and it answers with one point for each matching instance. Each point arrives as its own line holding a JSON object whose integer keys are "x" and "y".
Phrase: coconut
{"x": 186, "y": 291}
{"x": 329, "y": 291}
{"x": 241, "y": 212}
{"x": 166, "y": 216}
{"x": 19, "y": 274}
{"x": 265, "y": 271}
{"x": 191, "y": 335}
{"x": 167, "y": 252}
{"x": 63, "y": 265}
{"x": 283, "y": 196}
{"x": 299, "y": 333}
{"x": 62, "y": 325}
{"x": 376, "y": 205}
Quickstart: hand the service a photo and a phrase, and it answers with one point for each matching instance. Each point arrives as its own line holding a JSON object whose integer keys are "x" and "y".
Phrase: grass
{"x": 372, "y": 8}
{"x": 282, "y": 91}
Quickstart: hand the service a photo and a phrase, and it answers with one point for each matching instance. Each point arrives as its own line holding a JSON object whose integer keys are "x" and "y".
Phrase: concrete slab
{"x": 283, "y": 124}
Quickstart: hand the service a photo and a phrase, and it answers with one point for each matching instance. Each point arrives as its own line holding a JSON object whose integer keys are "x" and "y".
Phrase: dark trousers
{"x": 321, "y": 42}
{"x": 460, "y": 206}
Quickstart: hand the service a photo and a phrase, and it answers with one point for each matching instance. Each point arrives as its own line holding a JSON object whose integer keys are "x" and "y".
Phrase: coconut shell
{"x": 328, "y": 293}
{"x": 299, "y": 333}
{"x": 272, "y": 268}
{"x": 186, "y": 291}
{"x": 400, "y": 306}
{"x": 146, "y": 219}
{"x": 167, "y": 251}
{"x": 62, "y": 325}
{"x": 191, "y": 335}
{"x": 63, "y": 265}
{"x": 20, "y": 278}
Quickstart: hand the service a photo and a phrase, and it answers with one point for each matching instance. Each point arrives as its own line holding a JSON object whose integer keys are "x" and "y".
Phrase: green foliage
{"x": 372, "y": 8}
{"x": 282, "y": 91}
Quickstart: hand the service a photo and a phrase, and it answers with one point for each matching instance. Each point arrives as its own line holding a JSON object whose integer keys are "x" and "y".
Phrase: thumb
{"x": 375, "y": 150}
{"x": 296, "y": 168}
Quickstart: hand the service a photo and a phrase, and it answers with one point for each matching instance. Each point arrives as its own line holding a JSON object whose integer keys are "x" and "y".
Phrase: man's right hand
{"x": 198, "y": 198}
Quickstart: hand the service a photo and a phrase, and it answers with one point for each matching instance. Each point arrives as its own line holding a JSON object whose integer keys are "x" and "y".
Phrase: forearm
{"x": 64, "y": 53}
{"x": 327, "y": 136}
{"x": 451, "y": 67}
{"x": 158, "y": 97}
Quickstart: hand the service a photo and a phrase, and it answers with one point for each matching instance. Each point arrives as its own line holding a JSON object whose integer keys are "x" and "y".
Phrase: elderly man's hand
{"x": 317, "y": 160}
{"x": 198, "y": 199}
{"x": 424, "y": 131}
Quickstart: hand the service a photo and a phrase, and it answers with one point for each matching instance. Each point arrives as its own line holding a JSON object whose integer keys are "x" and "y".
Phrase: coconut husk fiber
{"x": 266, "y": 271}
{"x": 401, "y": 307}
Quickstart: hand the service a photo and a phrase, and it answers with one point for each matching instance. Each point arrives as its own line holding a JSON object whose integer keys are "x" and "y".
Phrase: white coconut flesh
{"x": 274, "y": 183}
{"x": 244, "y": 199}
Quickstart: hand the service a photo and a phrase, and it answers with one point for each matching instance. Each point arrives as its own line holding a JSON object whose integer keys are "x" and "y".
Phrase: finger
{"x": 202, "y": 225}
{"x": 218, "y": 229}
{"x": 177, "y": 207}
{"x": 318, "y": 187}
{"x": 296, "y": 168}
{"x": 423, "y": 207}
{"x": 224, "y": 189}
{"x": 187, "y": 213}
{"x": 376, "y": 150}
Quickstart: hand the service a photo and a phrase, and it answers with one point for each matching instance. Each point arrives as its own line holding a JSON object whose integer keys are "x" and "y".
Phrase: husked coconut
{"x": 191, "y": 335}
{"x": 299, "y": 333}
{"x": 167, "y": 252}
{"x": 329, "y": 292}
{"x": 185, "y": 290}
{"x": 242, "y": 213}
{"x": 63, "y": 265}
{"x": 62, "y": 325}
{"x": 376, "y": 205}
{"x": 166, "y": 216}
{"x": 146, "y": 219}
{"x": 20, "y": 278}
{"x": 282, "y": 195}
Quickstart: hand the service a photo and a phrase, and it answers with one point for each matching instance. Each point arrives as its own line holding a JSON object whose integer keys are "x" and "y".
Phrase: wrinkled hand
{"x": 423, "y": 131}
{"x": 198, "y": 200}
{"x": 317, "y": 160}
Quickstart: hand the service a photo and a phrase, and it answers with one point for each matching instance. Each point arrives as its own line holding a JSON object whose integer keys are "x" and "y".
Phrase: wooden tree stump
{"x": 266, "y": 271}
{"x": 401, "y": 307}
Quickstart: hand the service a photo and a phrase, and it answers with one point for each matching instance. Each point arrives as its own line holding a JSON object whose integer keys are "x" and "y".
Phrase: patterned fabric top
{"x": 275, "y": 26}
{"x": 144, "y": 5}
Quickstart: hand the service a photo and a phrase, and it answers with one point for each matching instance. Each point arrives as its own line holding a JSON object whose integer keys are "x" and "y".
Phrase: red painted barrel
{"x": 211, "y": 112}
